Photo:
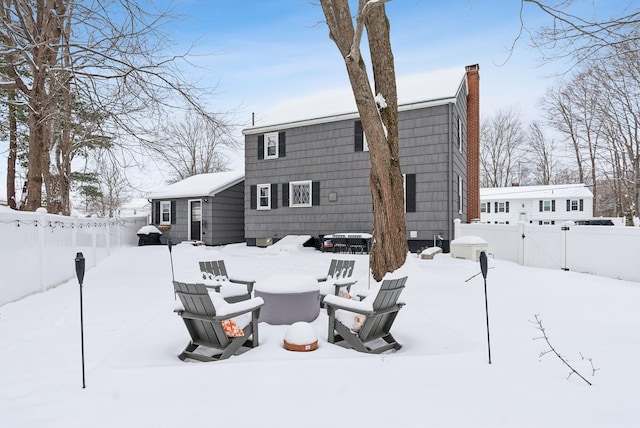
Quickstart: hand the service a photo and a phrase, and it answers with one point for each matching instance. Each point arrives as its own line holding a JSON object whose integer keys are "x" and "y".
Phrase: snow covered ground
{"x": 441, "y": 377}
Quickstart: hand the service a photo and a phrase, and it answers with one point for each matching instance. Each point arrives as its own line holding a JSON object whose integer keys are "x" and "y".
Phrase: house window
{"x": 459, "y": 134}
{"x": 501, "y": 207}
{"x": 264, "y": 196}
{"x": 271, "y": 145}
{"x": 575, "y": 205}
{"x": 165, "y": 212}
{"x": 460, "y": 194}
{"x": 360, "y": 140}
{"x": 547, "y": 205}
{"x": 300, "y": 192}
{"x": 485, "y": 207}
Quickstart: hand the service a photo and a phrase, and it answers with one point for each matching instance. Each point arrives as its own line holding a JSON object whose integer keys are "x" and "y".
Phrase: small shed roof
{"x": 536, "y": 192}
{"x": 200, "y": 185}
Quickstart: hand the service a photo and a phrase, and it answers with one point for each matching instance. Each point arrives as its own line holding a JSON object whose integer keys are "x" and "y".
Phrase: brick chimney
{"x": 473, "y": 142}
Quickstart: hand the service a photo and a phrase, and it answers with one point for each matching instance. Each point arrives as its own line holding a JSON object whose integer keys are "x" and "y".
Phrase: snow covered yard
{"x": 441, "y": 376}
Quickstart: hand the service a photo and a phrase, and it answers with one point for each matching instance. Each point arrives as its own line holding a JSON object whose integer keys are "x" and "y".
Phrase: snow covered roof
{"x": 536, "y": 192}
{"x": 200, "y": 185}
{"x": 331, "y": 104}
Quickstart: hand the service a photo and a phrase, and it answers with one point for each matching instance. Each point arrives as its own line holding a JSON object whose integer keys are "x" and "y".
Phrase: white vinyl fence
{"x": 37, "y": 250}
{"x": 609, "y": 251}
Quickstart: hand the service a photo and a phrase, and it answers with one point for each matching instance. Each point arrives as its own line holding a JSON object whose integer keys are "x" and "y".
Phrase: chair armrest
{"x": 248, "y": 282}
{"x": 213, "y": 287}
{"x": 333, "y": 302}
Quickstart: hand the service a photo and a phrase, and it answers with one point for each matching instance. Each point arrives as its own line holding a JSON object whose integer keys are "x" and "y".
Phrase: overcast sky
{"x": 263, "y": 54}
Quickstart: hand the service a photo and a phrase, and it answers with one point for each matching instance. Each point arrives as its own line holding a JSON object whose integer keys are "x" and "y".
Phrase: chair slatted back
{"x": 379, "y": 324}
{"x": 215, "y": 268}
{"x": 196, "y": 300}
{"x": 341, "y": 268}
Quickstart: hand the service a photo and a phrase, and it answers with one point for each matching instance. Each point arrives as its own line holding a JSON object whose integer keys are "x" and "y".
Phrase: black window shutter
{"x": 253, "y": 192}
{"x": 506, "y": 206}
{"x": 568, "y": 205}
{"x": 553, "y": 205}
{"x": 496, "y": 207}
{"x": 274, "y": 196}
{"x": 285, "y": 194}
{"x": 357, "y": 136}
{"x": 282, "y": 147}
{"x": 173, "y": 212}
{"x": 315, "y": 193}
{"x": 156, "y": 217}
{"x": 410, "y": 194}
{"x": 488, "y": 207}
{"x": 581, "y": 205}
{"x": 540, "y": 206}
{"x": 260, "y": 146}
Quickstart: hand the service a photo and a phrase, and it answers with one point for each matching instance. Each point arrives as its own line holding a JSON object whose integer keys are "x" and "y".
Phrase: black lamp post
{"x": 483, "y": 268}
{"x": 80, "y": 265}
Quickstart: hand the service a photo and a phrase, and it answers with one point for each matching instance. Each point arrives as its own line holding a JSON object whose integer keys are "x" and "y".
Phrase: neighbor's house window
{"x": 501, "y": 207}
{"x": 165, "y": 212}
{"x": 575, "y": 205}
{"x": 271, "y": 145}
{"x": 300, "y": 192}
{"x": 264, "y": 196}
{"x": 547, "y": 205}
{"x": 485, "y": 207}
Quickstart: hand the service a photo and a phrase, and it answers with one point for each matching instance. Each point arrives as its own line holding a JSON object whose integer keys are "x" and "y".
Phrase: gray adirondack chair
{"x": 232, "y": 289}
{"x": 338, "y": 278}
{"x": 205, "y": 325}
{"x": 380, "y": 311}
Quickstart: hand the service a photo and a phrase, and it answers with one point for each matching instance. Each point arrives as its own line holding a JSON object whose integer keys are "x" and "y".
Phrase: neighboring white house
{"x": 552, "y": 204}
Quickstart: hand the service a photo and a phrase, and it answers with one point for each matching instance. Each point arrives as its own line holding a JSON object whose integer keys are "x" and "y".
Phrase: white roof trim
{"x": 345, "y": 116}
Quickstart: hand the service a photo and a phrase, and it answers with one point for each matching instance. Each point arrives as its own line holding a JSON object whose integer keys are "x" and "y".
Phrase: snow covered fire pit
{"x": 288, "y": 298}
{"x": 301, "y": 337}
{"x": 469, "y": 247}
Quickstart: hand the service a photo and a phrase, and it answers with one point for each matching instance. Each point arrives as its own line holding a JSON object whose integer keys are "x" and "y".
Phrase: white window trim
{"x": 502, "y": 207}
{"x": 544, "y": 205}
{"x": 483, "y": 206}
{"x": 258, "y": 197}
{"x": 267, "y": 137}
{"x": 162, "y": 205}
{"x": 577, "y": 202}
{"x": 298, "y": 183}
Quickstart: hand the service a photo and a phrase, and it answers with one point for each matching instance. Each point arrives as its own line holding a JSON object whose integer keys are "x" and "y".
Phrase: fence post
{"x": 522, "y": 226}
{"x": 564, "y": 234}
{"x": 41, "y": 222}
{"x": 94, "y": 243}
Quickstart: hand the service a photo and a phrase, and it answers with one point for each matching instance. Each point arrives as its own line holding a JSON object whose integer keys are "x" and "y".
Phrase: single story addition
{"x": 205, "y": 207}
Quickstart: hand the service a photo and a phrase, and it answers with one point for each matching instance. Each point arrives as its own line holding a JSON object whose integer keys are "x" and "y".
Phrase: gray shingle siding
{"x": 325, "y": 152}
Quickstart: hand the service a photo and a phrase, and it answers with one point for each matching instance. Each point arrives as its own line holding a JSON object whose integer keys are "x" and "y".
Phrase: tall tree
{"x": 542, "y": 155}
{"x": 583, "y": 37}
{"x": 501, "y": 154}
{"x": 379, "y": 115}
{"x": 193, "y": 145}
{"x": 107, "y": 56}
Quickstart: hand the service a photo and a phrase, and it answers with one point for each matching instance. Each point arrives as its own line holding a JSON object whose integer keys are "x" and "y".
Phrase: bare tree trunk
{"x": 13, "y": 152}
{"x": 379, "y": 121}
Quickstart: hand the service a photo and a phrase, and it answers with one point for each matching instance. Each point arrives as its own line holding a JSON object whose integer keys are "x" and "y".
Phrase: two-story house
{"x": 541, "y": 205}
{"x": 311, "y": 177}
